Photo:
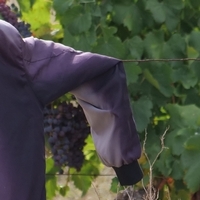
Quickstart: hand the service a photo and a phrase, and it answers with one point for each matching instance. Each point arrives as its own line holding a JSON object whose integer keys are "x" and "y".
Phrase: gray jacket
{"x": 35, "y": 72}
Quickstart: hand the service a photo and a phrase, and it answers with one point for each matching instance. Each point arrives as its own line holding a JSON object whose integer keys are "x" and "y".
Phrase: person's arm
{"x": 105, "y": 101}
{"x": 99, "y": 84}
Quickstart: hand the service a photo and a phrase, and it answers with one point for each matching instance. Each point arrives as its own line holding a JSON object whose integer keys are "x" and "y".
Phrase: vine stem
{"x": 151, "y": 194}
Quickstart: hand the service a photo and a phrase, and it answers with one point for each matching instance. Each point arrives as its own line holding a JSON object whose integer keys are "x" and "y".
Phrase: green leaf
{"x": 177, "y": 170}
{"x": 68, "y": 38}
{"x": 186, "y": 76}
{"x": 63, "y": 190}
{"x": 157, "y": 10}
{"x": 166, "y": 11}
{"x": 191, "y": 162}
{"x": 111, "y": 47}
{"x": 50, "y": 167}
{"x": 159, "y": 75}
{"x": 193, "y": 97}
{"x": 51, "y": 179}
{"x": 183, "y": 116}
{"x": 51, "y": 187}
{"x": 152, "y": 150}
{"x": 164, "y": 163}
{"x": 32, "y": 2}
{"x": 175, "y": 140}
{"x": 174, "y": 4}
{"x": 108, "y": 31}
{"x": 195, "y": 3}
{"x": 61, "y": 6}
{"x": 175, "y": 47}
{"x": 142, "y": 112}
{"x": 24, "y": 5}
{"x": 89, "y": 144}
{"x": 83, "y": 183}
{"x": 96, "y": 10}
{"x": 196, "y": 69}
{"x": 115, "y": 185}
{"x": 150, "y": 78}
{"x": 39, "y": 15}
{"x": 172, "y": 17}
{"x": 177, "y": 44}
{"x": 129, "y": 16}
{"x": 77, "y": 20}
{"x": 153, "y": 44}
{"x": 132, "y": 72}
{"x": 192, "y": 53}
{"x": 135, "y": 46}
{"x": 194, "y": 40}
{"x": 81, "y": 24}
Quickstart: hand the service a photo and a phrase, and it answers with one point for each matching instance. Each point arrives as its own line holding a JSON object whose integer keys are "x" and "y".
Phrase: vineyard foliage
{"x": 162, "y": 94}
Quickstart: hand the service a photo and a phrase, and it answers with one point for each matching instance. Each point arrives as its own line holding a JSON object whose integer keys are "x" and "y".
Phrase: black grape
{"x": 66, "y": 129}
{"x": 11, "y": 14}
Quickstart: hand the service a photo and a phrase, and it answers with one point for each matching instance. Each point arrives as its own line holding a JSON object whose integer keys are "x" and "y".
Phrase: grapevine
{"x": 66, "y": 129}
{"x": 11, "y": 15}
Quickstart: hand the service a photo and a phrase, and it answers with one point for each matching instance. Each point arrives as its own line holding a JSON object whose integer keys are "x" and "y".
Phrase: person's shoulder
{"x": 11, "y": 41}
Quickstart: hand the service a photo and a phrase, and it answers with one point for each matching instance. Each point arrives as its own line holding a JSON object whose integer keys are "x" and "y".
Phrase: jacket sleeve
{"x": 105, "y": 102}
{"x": 54, "y": 69}
{"x": 99, "y": 84}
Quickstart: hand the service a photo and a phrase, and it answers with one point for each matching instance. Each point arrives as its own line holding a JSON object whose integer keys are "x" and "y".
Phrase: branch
{"x": 151, "y": 193}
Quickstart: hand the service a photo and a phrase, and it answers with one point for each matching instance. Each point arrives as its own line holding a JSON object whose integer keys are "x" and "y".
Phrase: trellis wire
{"x": 163, "y": 60}
{"x": 80, "y": 174}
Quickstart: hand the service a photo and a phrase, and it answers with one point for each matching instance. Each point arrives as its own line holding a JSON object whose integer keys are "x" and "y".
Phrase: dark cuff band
{"x": 129, "y": 174}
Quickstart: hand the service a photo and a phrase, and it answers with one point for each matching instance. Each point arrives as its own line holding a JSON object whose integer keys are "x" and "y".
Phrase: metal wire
{"x": 164, "y": 60}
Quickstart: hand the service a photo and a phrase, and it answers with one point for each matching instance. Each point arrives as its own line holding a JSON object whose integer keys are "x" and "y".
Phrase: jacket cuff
{"x": 129, "y": 174}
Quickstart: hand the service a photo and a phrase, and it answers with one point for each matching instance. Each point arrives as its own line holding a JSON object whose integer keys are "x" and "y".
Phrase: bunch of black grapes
{"x": 11, "y": 14}
{"x": 66, "y": 129}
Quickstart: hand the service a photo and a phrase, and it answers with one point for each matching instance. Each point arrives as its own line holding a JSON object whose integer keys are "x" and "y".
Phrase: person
{"x": 35, "y": 72}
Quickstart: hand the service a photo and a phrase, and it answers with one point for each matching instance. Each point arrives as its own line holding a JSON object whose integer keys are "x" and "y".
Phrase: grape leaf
{"x": 153, "y": 44}
{"x": 177, "y": 170}
{"x": 51, "y": 187}
{"x": 164, "y": 163}
{"x": 135, "y": 46}
{"x": 51, "y": 179}
{"x": 142, "y": 112}
{"x": 159, "y": 75}
{"x": 157, "y": 10}
{"x": 129, "y": 16}
{"x": 36, "y": 17}
{"x": 166, "y": 11}
{"x": 175, "y": 139}
{"x": 191, "y": 162}
{"x": 77, "y": 20}
{"x": 186, "y": 76}
{"x": 61, "y": 6}
{"x": 132, "y": 72}
{"x": 179, "y": 116}
{"x": 111, "y": 47}
{"x": 115, "y": 185}
{"x": 194, "y": 40}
